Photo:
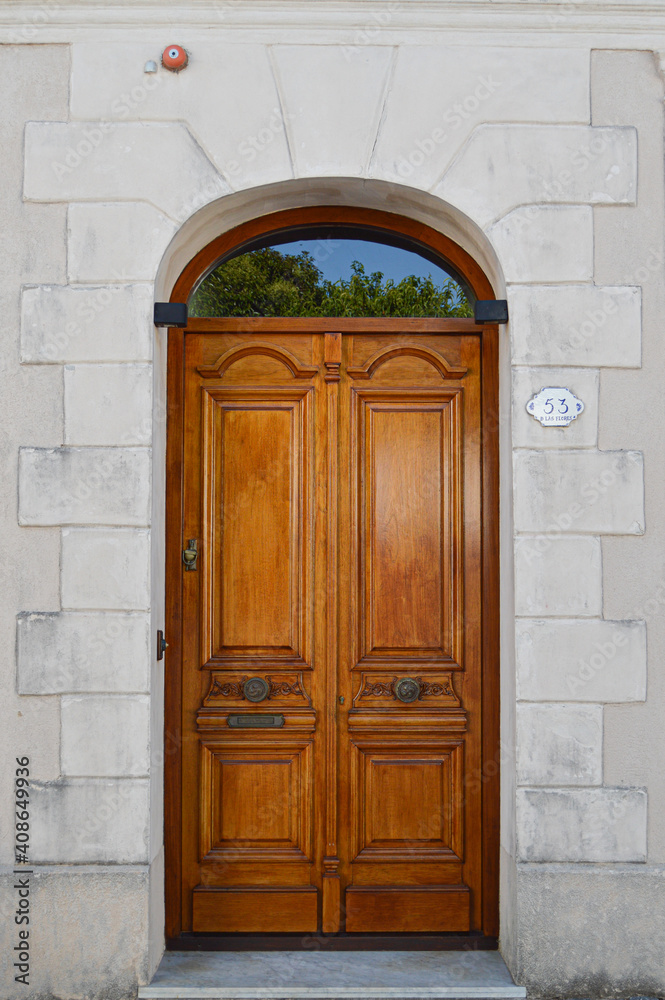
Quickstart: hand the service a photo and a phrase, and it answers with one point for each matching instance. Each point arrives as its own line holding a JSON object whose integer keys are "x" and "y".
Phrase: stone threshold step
{"x": 335, "y": 993}
{"x": 368, "y": 975}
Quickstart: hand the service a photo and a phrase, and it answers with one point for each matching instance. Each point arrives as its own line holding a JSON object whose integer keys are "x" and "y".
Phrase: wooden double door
{"x": 332, "y": 618}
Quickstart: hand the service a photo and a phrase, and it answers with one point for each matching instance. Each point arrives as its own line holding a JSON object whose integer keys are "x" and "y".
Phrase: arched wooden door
{"x": 331, "y": 690}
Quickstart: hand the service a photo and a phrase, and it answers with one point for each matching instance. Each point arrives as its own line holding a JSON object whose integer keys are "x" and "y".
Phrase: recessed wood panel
{"x": 434, "y": 908}
{"x": 409, "y": 801}
{"x": 244, "y": 873}
{"x": 258, "y": 584}
{"x": 252, "y": 800}
{"x": 407, "y": 874}
{"x": 255, "y": 910}
{"x": 257, "y": 501}
{"x": 404, "y": 605}
{"x": 256, "y": 800}
{"x": 410, "y": 522}
{"x": 405, "y": 800}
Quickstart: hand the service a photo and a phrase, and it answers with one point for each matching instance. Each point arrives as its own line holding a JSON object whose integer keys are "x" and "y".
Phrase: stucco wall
{"x": 540, "y": 155}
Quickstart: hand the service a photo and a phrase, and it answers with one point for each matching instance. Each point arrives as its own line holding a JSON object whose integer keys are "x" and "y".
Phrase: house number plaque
{"x": 555, "y": 406}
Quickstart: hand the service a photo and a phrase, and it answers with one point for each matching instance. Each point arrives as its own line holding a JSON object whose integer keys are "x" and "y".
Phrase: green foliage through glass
{"x": 271, "y": 283}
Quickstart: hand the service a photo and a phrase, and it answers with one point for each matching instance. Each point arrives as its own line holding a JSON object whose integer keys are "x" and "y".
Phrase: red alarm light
{"x": 174, "y": 58}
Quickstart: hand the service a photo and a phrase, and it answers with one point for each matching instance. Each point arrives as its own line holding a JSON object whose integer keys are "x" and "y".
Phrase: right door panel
{"x": 409, "y": 606}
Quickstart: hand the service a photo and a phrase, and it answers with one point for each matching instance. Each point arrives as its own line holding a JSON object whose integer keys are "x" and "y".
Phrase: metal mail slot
{"x": 256, "y": 721}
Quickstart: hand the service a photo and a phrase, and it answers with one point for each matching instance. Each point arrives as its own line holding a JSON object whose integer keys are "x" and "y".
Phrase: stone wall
{"x": 544, "y": 159}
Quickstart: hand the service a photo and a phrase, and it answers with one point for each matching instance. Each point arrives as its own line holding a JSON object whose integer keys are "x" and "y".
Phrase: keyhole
{"x": 341, "y": 699}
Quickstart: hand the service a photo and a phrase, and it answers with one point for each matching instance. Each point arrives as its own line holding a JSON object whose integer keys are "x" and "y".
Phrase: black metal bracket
{"x": 491, "y": 311}
{"x": 162, "y": 644}
{"x": 170, "y": 314}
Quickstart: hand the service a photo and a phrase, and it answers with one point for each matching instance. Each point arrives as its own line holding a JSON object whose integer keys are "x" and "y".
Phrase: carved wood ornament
{"x": 278, "y": 688}
{"x": 433, "y": 358}
{"x": 428, "y": 689}
{"x": 235, "y": 354}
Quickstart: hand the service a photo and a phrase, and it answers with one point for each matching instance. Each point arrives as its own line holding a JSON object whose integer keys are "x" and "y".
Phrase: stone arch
{"x": 231, "y": 211}
{"x": 226, "y": 213}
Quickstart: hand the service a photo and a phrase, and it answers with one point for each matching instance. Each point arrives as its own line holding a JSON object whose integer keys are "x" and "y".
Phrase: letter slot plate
{"x": 256, "y": 721}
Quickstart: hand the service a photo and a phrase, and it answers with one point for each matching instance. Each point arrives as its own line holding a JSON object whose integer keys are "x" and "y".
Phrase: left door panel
{"x": 255, "y": 649}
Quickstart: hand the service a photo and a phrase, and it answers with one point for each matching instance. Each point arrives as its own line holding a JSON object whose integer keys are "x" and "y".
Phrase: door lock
{"x": 190, "y": 554}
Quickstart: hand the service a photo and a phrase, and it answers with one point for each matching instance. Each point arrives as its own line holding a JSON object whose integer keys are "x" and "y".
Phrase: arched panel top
{"x": 446, "y": 371}
{"x": 235, "y": 354}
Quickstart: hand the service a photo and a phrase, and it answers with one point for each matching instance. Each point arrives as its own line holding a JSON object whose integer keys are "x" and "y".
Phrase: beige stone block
{"x": 78, "y": 651}
{"x": 105, "y": 569}
{"x": 108, "y": 404}
{"x": 530, "y": 433}
{"x": 107, "y": 323}
{"x": 558, "y": 575}
{"x": 334, "y": 105}
{"x": 576, "y": 325}
{"x": 594, "y": 491}
{"x": 559, "y": 744}
{"x": 105, "y": 735}
{"x": 545, "y": 243}
{"x": 504, "y": 166}
{"x": 245, "y": 137}
{"x": 109, "y": 161}
{"x": 603, "y": 926}
{"x": 84, "y": 486}
{"x": 93, "y": 935}
{"x": 82, "y": 820}
{"x": 441, "y": 93}
{"x": 103, "y": 245}
{"x": 594, "y": 661}
{"x": 582, "y": 824}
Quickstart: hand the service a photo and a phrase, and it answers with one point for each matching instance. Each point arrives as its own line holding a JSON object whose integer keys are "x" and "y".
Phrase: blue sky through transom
{"x": 334, "y": 257}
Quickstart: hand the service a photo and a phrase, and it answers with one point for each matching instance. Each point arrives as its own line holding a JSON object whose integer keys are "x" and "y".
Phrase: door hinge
{"x": 190, "y": 554}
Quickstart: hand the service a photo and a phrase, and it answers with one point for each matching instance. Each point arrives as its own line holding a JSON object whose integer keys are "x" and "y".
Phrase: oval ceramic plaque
{"x": 555, "y": 406}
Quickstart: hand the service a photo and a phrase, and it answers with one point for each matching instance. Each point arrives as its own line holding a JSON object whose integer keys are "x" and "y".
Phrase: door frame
{"x": 416, "y": 233}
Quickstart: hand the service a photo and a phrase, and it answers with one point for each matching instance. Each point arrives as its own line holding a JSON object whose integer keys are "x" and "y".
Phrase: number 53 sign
{"x": 555, "y": 406}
